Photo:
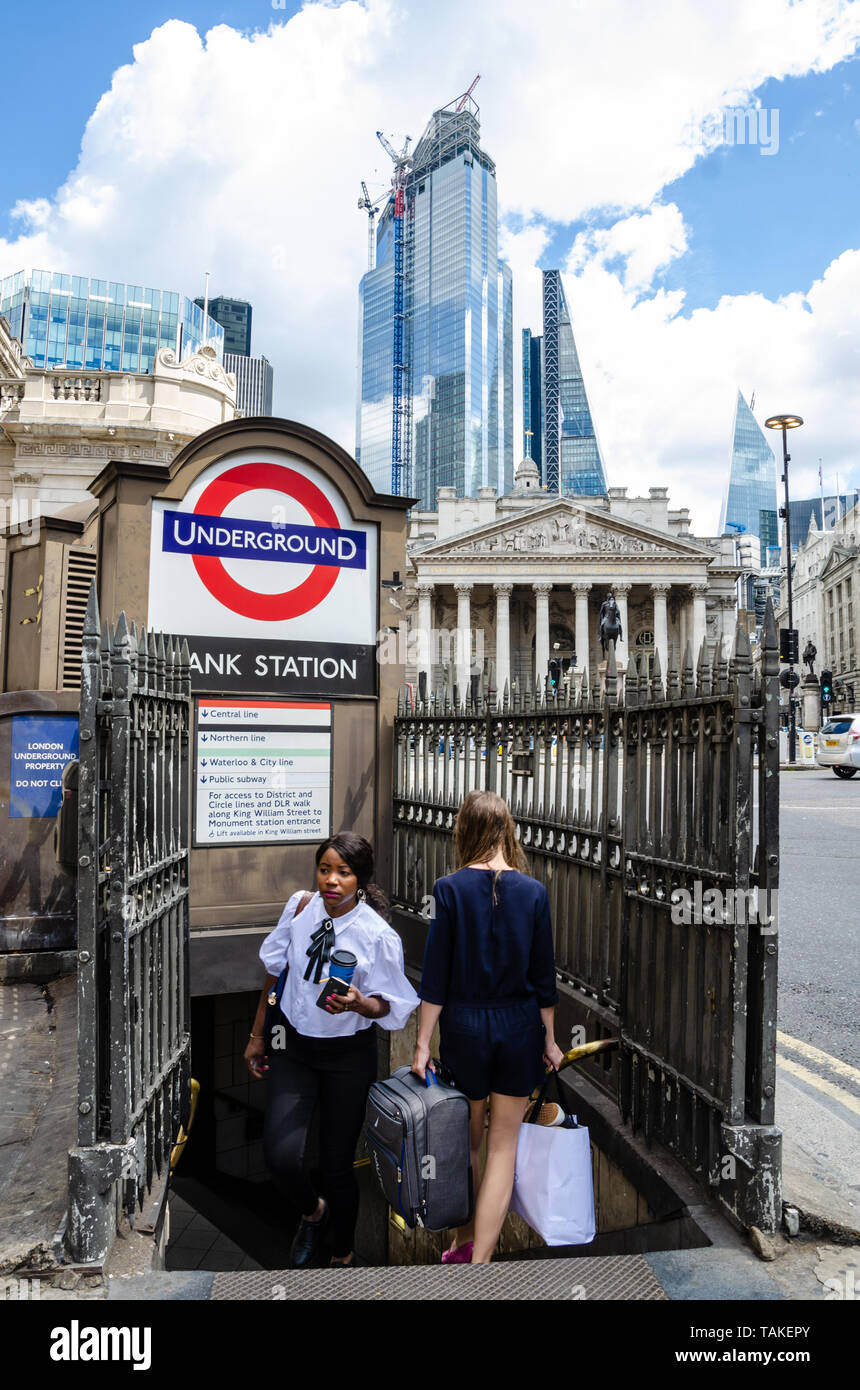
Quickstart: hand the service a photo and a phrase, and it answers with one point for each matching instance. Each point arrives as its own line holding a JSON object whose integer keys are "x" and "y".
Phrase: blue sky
{"x": 690, "y": 274}
{"x": 59, "y": 58}
{"x": 766, "y": 223}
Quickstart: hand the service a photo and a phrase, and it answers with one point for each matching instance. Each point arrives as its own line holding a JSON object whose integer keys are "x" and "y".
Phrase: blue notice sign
{"x": 42, "y": 744}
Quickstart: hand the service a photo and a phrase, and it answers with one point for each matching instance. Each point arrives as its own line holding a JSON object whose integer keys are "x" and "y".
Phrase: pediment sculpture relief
{"x": 560, "y": 535}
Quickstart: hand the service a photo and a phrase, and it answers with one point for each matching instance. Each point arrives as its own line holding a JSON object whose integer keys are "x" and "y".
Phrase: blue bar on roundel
{"x": 228, "y": 538}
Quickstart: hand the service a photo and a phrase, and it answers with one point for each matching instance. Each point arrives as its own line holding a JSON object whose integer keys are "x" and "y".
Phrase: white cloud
{"x": 662, "y": 385}
{"x": 646, "y": 242}
{"x": 242, "y": 154}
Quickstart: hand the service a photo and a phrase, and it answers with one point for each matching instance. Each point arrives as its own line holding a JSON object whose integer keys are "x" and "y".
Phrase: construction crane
{"x": 371, "y": 209}
{"x": 468, "y": 92}
{"x": 400, "y": 372}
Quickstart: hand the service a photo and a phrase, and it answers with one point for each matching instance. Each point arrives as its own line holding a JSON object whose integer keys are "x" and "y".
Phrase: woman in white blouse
{"x": 328, "y": 1055}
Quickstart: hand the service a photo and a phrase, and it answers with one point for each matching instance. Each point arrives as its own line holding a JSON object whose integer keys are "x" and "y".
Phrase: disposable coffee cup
{"x": 342, "y": 966}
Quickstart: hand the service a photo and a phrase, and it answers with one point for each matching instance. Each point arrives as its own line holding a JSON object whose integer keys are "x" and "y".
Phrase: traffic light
{"x": 789, "y": 645}
{"x": 826, "y": 687}
{"x": 554, "y": 673}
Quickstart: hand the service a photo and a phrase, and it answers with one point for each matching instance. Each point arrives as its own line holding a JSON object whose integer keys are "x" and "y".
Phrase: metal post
{"x": 792, "y": 725}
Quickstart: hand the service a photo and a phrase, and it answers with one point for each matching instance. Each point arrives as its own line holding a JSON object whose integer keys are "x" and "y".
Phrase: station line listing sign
{"x": 268, "y": 576}
{"x": 262, "y": 772}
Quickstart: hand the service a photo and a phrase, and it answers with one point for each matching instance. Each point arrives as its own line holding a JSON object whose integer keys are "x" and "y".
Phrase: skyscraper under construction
{"x": 558, "y": 428}
{"x": 435, "y": 376}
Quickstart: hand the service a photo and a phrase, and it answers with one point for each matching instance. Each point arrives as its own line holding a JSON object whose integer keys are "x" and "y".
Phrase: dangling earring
{"x": 361, "y": 895}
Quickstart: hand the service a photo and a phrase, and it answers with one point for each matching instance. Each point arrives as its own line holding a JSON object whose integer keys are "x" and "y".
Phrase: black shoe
{"x": 306, "y": 1242}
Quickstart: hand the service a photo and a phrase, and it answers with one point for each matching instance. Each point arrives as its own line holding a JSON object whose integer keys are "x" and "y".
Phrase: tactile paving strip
{"x": 590, "y": 1278}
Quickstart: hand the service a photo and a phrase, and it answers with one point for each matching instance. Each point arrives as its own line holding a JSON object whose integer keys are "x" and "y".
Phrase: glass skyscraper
{"x": 749, "y": 504}
{"x": 87, "y": 324}
{"x": 532, "y": 399}
{"x": 456, "y": 377}
{"x": 234, "y": 316}
{"x": 571, "y": 455}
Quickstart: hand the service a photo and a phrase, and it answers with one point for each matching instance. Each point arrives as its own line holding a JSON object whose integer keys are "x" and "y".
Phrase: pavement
{"x": 818, "y": 1046}
{"x": 38, "y": 1085}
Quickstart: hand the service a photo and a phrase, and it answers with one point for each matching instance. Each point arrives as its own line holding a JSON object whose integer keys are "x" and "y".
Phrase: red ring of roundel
{"x": 292, "y": 603}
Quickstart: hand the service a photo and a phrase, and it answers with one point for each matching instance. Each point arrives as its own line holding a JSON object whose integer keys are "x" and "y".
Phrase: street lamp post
{"x": 784, "y": 423}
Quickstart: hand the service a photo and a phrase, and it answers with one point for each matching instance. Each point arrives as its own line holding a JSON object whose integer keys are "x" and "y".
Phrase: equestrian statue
{"x": 609, "y": 625}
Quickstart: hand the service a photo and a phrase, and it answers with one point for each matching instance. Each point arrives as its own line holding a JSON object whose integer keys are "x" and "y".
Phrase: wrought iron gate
{"x": 652, "y": 817}
{"x": 133, "y": 997}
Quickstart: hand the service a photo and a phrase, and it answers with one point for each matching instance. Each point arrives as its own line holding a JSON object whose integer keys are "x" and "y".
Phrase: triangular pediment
{"x": 564, "y": 527}
{"x": 838, "y": 556}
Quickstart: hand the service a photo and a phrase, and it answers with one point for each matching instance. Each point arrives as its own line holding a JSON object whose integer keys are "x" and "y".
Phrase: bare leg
{"x": 506, "y": 1116}
{"x": 477, "y": 1125}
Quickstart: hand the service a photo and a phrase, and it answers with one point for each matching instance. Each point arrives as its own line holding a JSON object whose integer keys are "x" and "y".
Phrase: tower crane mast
{"x": 371, "y": 209}
{"x": 400, "y": 369}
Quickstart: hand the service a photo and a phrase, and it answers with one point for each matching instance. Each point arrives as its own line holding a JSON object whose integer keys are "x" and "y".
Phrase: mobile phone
{"x": 332, "y": 986}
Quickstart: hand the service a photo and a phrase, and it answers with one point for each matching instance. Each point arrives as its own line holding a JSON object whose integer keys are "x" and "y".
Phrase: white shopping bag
{"x": 553, "y": 1188}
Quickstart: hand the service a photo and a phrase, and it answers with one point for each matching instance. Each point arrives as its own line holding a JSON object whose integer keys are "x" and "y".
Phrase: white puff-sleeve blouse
{"x": 379, "y": 969}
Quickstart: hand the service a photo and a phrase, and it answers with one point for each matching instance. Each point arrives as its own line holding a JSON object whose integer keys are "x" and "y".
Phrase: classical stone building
{"x": 58, "y": 429}
{"x": 520, "y": 581}
{"x": 825, "y": 588}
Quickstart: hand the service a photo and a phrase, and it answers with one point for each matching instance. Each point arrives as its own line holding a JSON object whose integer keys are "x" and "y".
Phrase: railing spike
{"x": 91, "y": 617}
{"x": 611, "y": 674}
{"x": 656, "y": 678}
{"x": 688, "y": 685}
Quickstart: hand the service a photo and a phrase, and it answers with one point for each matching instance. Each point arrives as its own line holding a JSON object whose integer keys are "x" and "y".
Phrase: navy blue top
{"x": 479, "y": 952}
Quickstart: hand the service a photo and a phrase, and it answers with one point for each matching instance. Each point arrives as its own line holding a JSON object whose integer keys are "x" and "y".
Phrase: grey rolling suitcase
{"x": 418, "y": 1137}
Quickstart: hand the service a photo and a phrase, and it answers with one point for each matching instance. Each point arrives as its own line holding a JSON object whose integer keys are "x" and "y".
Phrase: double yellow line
{"x": 811, "y": 1078}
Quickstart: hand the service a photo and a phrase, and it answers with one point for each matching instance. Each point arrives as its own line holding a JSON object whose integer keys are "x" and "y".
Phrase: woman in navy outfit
{"x": 489, "y": 980}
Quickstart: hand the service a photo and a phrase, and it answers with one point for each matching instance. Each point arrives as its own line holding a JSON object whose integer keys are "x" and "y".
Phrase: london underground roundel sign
{"x": 248, "y": 603}
{"x": 263, "y": 567}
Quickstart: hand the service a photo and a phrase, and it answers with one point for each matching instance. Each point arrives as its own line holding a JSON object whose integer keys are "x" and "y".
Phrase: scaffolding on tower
{"x": 401, "y": 422}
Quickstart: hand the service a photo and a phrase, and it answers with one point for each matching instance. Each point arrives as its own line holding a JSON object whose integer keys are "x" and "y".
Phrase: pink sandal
{"x": 461, "y": 1256}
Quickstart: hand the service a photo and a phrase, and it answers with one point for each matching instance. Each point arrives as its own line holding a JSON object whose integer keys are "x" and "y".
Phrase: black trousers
{"x": 335, "y": 1074}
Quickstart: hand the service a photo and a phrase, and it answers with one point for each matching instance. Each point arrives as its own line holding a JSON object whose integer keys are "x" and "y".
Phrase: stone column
{"x": 683, "y": 625}
{"x": 582, "y": 653}
{"x": 503, "y": 638}
{"x": 542, "y": 593}
{"x": 621, "y": 591}
{"x": 424, "y": 653}
{"x": 464, "y": 642}
{"x": 810, "y": 704}
{"x": 700, "y": 621}
{"x": 728, "y": 623}
{"x": 661, "y": 626}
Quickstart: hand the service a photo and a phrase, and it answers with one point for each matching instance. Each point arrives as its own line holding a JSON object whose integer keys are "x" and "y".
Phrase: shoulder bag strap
{"x": 275, "y": 994}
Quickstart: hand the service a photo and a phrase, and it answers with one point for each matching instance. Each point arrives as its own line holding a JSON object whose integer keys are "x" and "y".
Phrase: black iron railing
{"x": 651, "y": 814}
{"x": 133, "y": 997}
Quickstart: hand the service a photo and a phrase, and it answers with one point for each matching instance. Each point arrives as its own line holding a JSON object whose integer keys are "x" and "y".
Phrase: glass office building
{"x": 86, "y": 324}
{"x": 457, "y": 374}
{"x": 234, "y": 316}
{"x": 750, "y": 504}
{"x": 532, "y": 399}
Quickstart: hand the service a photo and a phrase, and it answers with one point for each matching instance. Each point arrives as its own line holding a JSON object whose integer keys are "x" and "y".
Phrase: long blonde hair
{"x": 483, "y": 824}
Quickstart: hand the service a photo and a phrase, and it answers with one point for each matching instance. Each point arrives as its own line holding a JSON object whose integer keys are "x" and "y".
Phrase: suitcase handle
{"x": 428, "y": 1073}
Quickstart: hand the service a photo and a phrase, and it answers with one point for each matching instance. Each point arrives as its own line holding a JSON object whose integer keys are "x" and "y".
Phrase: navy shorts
{"x": 493, "y": 1047}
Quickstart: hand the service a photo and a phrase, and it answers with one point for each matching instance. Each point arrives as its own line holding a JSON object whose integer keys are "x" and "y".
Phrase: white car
{"x": 838, "y": 743}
